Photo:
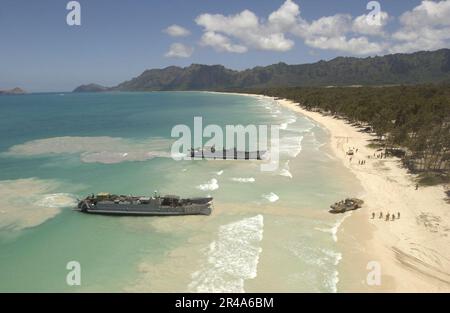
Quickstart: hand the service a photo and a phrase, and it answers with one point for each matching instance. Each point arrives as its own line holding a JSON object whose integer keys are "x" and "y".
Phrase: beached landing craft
{"x": 211, "y": 153}
{"x": 108, "y": 204}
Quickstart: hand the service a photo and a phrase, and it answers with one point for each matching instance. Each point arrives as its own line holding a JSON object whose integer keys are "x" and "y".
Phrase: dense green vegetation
{"x": 415, "y": 119}
{"x": 415, "y": 68}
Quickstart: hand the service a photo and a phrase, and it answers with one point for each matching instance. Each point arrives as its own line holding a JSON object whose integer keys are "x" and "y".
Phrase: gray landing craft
{"x": 108, "y": 204}
{"x": 211, "y": 153}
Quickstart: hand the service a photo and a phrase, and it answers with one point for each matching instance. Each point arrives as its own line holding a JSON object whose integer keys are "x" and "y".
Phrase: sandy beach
{"x": 414, "y": 251}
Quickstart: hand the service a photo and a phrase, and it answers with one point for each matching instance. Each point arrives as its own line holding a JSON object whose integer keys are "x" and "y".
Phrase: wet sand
{"x": 413, "y": 251}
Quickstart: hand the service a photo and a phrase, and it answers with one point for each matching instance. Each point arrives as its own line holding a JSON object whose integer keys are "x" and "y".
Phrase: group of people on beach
{"x": 388, "y": 216}
{"x": 360, "y": 162}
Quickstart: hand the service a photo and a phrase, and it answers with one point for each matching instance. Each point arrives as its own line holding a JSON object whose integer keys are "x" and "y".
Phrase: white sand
{"x": 414, "y": 251}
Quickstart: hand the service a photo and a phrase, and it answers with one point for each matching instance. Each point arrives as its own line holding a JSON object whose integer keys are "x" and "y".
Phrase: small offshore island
{"x": 13, "y": 91}
{"x": 287, "y": 146}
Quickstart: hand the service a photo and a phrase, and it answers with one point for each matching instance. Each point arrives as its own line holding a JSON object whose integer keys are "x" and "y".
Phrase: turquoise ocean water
{"x": 270, "y": 231}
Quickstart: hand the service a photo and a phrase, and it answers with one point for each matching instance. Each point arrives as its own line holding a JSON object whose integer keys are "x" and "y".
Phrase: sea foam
{"x": 333, "y": 230}
{"x": 57, "y": 200}
{"x": 30, "y": 202}
{"x": 232, "y": 258}
{"x": 285, "y": 170}
{"x": 213, "y": 184}
{"x": 290, "y": 145}
{"x": 272, "y": 197}
{"x": 105, "y": 150}
{"x": 243, "y": 179}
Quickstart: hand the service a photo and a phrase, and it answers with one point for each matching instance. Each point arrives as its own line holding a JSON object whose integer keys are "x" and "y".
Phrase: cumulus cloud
{"x": 177, "y": 31}
{"x": 248, "y": 30}
{"x": 221, "y": 43}
{"x": 179, "y": 50}
{"x": 358, "y": 45}
{"x": 340, "y": 32}
{"x": 285, "y": 17}
{"x": 426, "y": 27}
{"x": 362, "y": 26}
{"x": 428, "y": 13}
{"x": 328, "y": 26}
{"x": 239, "y": 32}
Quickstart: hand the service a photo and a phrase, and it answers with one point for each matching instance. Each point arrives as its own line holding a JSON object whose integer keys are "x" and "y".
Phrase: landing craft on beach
{"x": 107, "y": 204}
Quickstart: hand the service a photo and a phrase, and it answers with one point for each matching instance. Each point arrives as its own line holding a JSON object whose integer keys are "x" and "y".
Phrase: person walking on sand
{"x": 393, "y": 217}
{"x": 381, "y": 215}
{"x": 417, "y": 186}
{"x": 373, "y": 215}
{"x": 398, "y": 215}
{"x": 387, "y": 217}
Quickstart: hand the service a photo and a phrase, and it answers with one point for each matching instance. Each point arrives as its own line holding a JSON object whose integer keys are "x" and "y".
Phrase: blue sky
{"x": 117, "y": 40}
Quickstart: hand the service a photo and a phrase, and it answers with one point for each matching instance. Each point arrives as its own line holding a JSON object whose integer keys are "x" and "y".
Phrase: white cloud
{"x": 361, "y": 25}
{"x": 177, "y": 31}
{"x": 428, "y": 13}
{"x": 285, "y": 17}
{"x": 242, "y": 31}
{"x": 247, "y": 29}
{"x": 426, "y": 27}
{"x": 328, "y": 26}
{"x": 221, "y": 43}
{"x": 358, "y": 45}
{"x": 340, "y": 32}
{"x": 178, "y": 50}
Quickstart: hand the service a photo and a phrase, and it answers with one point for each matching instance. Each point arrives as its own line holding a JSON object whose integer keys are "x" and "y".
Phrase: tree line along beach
{"x": 410, "y": 181}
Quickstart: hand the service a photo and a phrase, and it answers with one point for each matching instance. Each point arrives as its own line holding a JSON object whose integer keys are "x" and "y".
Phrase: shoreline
{"x": 413, "y": 252}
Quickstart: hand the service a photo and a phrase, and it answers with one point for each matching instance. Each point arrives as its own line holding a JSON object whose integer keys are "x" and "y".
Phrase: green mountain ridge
{"x": 415, "y": 68}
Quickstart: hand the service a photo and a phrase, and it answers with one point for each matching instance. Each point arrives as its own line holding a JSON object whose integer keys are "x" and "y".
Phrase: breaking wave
{"x": 285, "y": 171}
{"x": 290, "y": 120}
{"x": 333, "y": 230}
{"x": 272, "y": 197}
{"x": 232, "y": 258}
{"x": 30, "y": 202}
{"x": 210, "y": 185}
{"x": 325, "y": 262}
{"x": 290, "y": 145}
{"x": 57, "y": 200}
{"x": 243, "y": 180}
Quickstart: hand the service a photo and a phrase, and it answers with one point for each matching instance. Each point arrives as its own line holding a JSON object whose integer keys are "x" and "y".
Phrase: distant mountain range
{"x": 416, "y": 68}
{"x": 14, "y": 91}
